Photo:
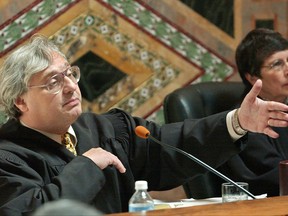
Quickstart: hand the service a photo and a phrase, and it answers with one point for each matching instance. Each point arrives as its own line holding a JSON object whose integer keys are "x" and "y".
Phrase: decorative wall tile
{"x": 96, "y": 23}
{"x": 29, "y": 21}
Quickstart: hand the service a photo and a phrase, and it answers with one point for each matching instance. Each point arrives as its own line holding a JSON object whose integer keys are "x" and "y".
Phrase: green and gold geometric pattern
{"x": 164, "y": 57}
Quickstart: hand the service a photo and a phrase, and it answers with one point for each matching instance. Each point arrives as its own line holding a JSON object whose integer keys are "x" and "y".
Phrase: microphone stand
{"x": 204, "y": 165}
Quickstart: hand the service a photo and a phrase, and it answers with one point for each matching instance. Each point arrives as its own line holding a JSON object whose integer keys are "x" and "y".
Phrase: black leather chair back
{"x": 201, "y": 99}
{"x": 197, "y": 101}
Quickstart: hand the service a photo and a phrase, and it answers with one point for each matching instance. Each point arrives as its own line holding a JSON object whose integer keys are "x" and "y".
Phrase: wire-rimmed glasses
{"x": 55, "y": 84}
{"x": 277, "y": 65}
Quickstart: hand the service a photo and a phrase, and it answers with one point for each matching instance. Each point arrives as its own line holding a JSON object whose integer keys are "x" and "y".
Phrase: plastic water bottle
{"x": 141, "y": 200}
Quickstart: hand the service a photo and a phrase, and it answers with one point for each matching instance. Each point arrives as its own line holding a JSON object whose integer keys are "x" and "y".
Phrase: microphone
{"x": 144, "y": 133}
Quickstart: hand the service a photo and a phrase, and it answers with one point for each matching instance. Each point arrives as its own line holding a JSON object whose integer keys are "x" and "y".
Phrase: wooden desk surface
{"x": 260, "y": 207}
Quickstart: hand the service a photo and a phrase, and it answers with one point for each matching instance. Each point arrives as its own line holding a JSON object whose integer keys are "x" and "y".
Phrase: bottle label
{"x": 140, "y": 207}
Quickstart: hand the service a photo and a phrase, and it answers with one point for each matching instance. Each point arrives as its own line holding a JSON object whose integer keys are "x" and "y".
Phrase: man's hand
{"x": 256, "y": 115}
{"x": 104, "y": 158}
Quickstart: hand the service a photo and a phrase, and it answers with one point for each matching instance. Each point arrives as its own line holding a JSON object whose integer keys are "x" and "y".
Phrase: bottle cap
{"x": 141, "y": 185}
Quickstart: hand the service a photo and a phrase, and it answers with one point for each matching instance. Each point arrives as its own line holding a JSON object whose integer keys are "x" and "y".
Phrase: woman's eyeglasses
{"x": 278, "y": 65}
{"x": 55, "y": 84}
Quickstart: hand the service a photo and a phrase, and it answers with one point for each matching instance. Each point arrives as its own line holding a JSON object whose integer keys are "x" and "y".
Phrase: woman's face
{"x": 274, "y": 76}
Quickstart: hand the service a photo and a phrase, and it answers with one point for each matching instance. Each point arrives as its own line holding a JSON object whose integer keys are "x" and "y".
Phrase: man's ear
{"x": 21, "y": 104}
{"x": 251, "y": 79}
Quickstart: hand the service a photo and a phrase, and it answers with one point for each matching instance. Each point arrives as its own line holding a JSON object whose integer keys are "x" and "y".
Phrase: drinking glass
{"x": 231, "y": 193}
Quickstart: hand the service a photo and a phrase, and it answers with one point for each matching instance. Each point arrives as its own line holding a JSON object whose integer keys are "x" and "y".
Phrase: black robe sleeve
{"x": 258, "y": 163}
{"x": 34, "y": 169}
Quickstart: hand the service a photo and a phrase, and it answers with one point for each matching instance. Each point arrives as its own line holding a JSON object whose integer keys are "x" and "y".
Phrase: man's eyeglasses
{"x": 55, "y": 84}
{"x": 278, "y": 65}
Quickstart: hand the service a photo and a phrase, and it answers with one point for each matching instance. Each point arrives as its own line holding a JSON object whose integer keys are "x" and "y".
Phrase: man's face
{"x": 52, "y": 113}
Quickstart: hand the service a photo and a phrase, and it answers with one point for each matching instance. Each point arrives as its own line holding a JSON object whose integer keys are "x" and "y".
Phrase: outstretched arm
{"x": 260, "y": 116}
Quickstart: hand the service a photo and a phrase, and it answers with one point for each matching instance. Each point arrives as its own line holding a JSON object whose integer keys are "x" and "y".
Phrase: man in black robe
{"x": 40, "y": 94}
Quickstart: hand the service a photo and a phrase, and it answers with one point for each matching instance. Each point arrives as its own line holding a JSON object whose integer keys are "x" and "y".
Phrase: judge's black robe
{"x": 35, "y": 169}
{"x": 258, "y": 163}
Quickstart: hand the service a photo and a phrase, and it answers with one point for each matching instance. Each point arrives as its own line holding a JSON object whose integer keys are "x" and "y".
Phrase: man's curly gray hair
{"x": 17, "y": 69}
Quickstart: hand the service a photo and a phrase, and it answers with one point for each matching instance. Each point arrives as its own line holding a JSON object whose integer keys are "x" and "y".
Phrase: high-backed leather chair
{"x": 197, "y": 101}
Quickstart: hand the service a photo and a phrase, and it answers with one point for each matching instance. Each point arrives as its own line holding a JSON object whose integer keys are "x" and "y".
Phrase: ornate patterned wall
{"x": 140, "y": 49}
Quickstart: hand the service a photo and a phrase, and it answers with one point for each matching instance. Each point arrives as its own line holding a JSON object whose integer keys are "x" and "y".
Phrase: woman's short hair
{"x": 258, "y": 45}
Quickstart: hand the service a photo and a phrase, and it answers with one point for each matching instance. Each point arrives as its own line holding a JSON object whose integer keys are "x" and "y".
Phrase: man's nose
{"x": 69, "y": 85}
